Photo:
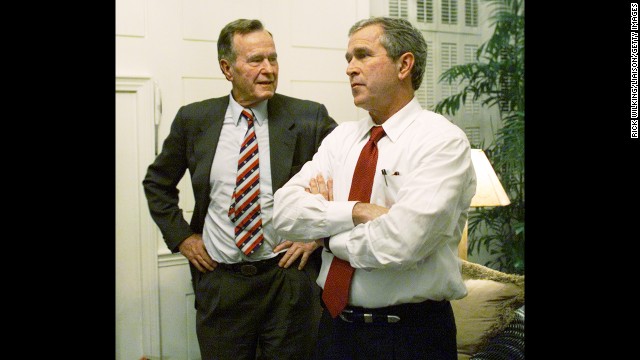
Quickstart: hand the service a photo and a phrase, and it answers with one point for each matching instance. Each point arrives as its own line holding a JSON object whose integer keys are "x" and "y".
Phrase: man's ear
{"x": 404, "y": 65}
{"x": 225, "y": 66}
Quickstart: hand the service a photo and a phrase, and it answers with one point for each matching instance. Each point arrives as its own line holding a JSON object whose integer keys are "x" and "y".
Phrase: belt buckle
{"x": 248, "y": 270}
{"x": 344, "y": 318}
{"x": 393, "y": 319}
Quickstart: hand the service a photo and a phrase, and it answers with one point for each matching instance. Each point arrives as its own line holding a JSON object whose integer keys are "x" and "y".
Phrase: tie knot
{"x": 247, "y": 115}
{"x": 377, "y": 132}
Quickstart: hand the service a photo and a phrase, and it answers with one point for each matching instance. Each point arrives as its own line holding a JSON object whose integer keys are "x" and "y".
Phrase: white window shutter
{"x": 473, "y": 135}
{"x": 424, "y": 11}
{"x": 426, "y": 94}
{"x": 399, "y": 9}
{"x": 471, "y": 107}
{"x": 448, "y": 58}
{"x": 471, "y": 13}
{"x": 449, "y": 12}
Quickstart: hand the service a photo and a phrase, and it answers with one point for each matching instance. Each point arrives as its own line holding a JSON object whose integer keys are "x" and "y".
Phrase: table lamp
{"x": 489, "y": 192}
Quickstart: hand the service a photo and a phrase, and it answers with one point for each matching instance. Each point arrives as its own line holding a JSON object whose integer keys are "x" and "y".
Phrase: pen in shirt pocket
{"x": 386, "y": 172}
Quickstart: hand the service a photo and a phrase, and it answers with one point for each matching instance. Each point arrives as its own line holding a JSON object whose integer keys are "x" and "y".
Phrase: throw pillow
{"x": 491, "y": 301}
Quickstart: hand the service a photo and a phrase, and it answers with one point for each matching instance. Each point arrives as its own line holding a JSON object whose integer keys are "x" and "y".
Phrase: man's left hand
{"x": 304, "y": 249}
{"x": 296, "y": 250}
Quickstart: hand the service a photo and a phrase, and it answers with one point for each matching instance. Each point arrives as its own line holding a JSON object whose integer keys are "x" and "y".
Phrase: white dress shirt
{"x": 218, "y": 233}
{"x": 409, "y": 254}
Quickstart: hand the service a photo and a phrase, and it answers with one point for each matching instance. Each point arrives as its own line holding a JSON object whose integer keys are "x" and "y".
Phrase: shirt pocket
{"x": 390, "y": 189}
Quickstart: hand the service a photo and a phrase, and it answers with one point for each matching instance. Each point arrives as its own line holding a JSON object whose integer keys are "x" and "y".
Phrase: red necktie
{"x": 245, "y": 201}
{"x": 336, "y": 288}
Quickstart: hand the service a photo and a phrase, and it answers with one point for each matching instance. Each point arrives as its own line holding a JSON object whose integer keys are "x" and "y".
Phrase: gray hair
{"x": 400, "y": 37}
{"x": 225, "y": 40}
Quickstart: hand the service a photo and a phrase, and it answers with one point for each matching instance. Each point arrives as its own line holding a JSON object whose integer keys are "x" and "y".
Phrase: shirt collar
{"x": 259, "y": 111}
{"x": 397, "y": 123}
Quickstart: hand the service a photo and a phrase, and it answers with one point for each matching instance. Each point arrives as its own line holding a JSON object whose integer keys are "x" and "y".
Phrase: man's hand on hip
{"x": 296, "y": 250}
{"x": 303, "y": 250}
{"x": 193, "y": 249}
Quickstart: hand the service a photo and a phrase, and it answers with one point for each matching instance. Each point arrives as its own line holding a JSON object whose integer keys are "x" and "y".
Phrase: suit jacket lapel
{"x": 281, "y": 140}
{"x": 205, "y": 144}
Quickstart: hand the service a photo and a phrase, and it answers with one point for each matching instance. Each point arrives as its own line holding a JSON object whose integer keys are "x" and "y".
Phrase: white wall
{"x": 174, "y": 41}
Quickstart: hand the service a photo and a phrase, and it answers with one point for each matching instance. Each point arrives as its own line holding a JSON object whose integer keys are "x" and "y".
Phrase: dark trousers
{"x": 270, "y": 315}
{"x": 426, "y": 331}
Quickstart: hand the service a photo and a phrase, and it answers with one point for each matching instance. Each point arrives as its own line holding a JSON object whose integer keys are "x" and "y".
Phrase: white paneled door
{"x": 137, "y": 309}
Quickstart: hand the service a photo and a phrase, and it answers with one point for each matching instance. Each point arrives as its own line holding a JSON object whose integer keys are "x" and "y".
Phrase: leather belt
{"x": 251, "y": 268}
{"x": 402, "y": 313}
{"x": 352, "y": 316}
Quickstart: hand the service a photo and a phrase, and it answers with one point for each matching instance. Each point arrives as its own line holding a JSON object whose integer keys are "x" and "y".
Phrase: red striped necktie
{"x": 244, "y": 211}
{"x": 336, "y": 288}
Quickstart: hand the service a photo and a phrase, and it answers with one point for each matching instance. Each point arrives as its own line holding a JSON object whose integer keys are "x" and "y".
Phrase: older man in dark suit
{"x": 239, "y": 149}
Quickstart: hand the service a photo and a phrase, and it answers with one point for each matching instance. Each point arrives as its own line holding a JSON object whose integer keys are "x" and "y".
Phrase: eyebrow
{"x": 358, "y": 51}
{"x": 262, "y": 56}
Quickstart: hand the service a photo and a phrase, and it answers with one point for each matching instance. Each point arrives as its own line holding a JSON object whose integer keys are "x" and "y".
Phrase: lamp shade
{"x": 489, "y": 191}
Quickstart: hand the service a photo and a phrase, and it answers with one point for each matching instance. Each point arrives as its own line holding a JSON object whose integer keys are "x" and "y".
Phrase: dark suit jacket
{"x": 296, "y": 128}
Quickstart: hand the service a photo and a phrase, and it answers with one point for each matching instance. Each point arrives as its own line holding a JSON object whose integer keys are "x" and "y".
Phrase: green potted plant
{"x": 496, "y": 78}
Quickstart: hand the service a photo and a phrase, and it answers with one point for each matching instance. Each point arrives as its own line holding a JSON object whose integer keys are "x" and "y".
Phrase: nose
{"x": 268, "y": 67}
{"x": 352, "y": 69}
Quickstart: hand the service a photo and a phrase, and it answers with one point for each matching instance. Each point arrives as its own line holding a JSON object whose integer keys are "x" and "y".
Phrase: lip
{"x": 356, "y": 84}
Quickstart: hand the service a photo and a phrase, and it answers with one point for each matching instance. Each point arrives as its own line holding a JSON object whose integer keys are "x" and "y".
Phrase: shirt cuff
{"x": 340, "y": 216}
{"x": 339, "y": 245}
